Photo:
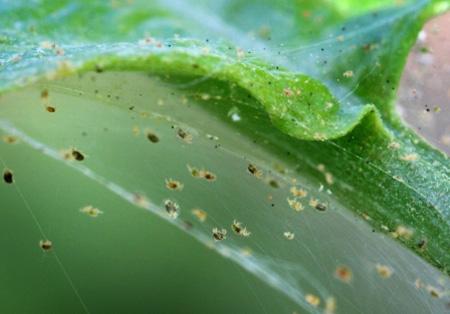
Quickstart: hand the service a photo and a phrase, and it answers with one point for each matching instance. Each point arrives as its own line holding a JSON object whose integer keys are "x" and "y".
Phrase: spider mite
{"x": 77, "y": 155}
{"x": 254, "y": 171}
{"x": 317, "y": 205}
{"x": 239, "y": 229}
{"x": 298, "y": 192}
{"x": 194, "y": 171}
{"x": 184, "y": 135}
{"x": 9, "y": 139}
{"x": 172, "y": 208}
{"x": 295, "y": 205}
{"x": 343, "y": 273}
{"x": 312, "y": 299}
{"x": 209, "y": 176}
{"x": 46, "y": 245}
{"x": 384, "y": 271}
{"x": 201, "y": 173}
{"x": 219, "y": 234}
{"x": 91, "y": 211}
{"x": 199, "y": 214}
{"x": 73, "y": 154}
{"x": 289, "y": 235}
{"x": 174, "y": 185}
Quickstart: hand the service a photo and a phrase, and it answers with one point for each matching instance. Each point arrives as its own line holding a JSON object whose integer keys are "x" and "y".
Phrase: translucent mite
{"x": 219, "y": 234}
{"x": 312, "y": 299}
{"x": 384, "y": 271}
{"x": 172, "y": 208}
{"x": 200, "y": 214}
{"x": 298, "y": 192}
{"x": 343, "y": 273}
{"x": 239, "y": 229}
{"x": 91, "y": 211}
{"x": 184, "y": 135}
{"x": 254, "y": 171}
{"x": 46, "y": 245}
{"x": 175, "y": 185}
{"x": 289, "y": 235}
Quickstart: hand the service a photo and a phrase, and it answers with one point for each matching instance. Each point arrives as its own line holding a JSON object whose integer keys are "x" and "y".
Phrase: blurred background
{"x": 424, "y": 94}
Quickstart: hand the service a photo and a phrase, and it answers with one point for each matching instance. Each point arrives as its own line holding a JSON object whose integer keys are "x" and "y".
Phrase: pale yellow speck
{"x": 384, "y": 271}
{"x": 312, "y": 299}
{"x": 289, "y": 235}
{"x": 298, "y": 192}
{"x": 200, "y": 214}
{"x": 347, "y": 74}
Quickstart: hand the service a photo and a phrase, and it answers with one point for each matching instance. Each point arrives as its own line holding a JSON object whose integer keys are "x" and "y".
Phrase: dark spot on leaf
{"x": 252, "y": 169}
{"x": 422, "y": 244}
{"x": 44, "y": 93}
{"x": 50, "y": 109}
{"x": 274, "y": 184}
{"x": 321, "y": 207}
{"x": 8, "y": 176}
{"x": 77, "y": 155}
{"x": 98, "y": 68}
{"x": 46, "y": 245}
{"x": 209, "y": 176}
{"x": 152, "y": 137}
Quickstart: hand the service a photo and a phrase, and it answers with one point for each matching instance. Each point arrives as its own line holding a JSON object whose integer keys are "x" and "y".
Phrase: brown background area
{"x": 424, "y": 94}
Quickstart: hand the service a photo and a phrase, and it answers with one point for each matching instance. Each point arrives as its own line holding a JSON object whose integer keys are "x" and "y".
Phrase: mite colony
{"x": 201, "y": 173}
{"x": 297, "y": 195}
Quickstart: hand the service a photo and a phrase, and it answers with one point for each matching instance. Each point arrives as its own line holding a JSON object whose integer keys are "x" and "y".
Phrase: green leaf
{"x": 106, "y": 103}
